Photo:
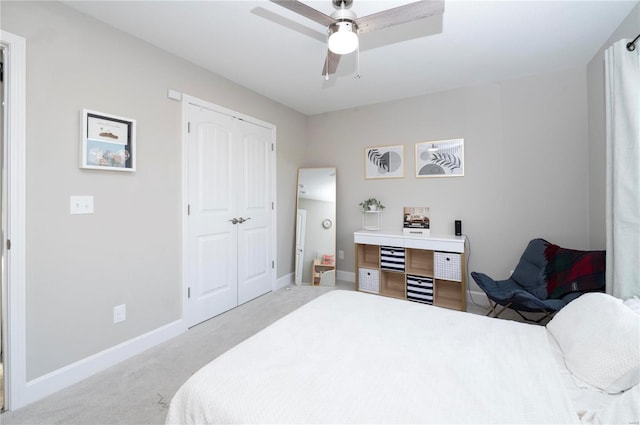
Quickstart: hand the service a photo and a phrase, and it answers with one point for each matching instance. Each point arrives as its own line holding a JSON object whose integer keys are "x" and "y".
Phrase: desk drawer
{"x": 446, "y": 265}
{"x": 369, "y": 280}
{"x": 392, "y": 258}
{"x": 420, "y": 289}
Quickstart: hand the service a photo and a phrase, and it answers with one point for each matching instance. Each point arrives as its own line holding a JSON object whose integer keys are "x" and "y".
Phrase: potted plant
{"x": 371, "y": 204}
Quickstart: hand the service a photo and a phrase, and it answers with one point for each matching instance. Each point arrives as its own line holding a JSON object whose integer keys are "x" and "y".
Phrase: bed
{"x": 350, "y": 357}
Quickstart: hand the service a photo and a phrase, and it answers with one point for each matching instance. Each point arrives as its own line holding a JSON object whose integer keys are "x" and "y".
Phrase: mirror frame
{"x": 326, "y": 224}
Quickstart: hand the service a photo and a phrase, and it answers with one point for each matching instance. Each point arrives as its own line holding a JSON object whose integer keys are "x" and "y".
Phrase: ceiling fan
{"x": 343, "y": 27}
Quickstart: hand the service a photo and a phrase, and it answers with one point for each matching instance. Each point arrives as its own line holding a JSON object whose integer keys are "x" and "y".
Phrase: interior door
{"x": 229, "y": 256}
{"x": 212, "y": 236}
{"x": 254, "y": 210}
{"x": 301, "y": 226}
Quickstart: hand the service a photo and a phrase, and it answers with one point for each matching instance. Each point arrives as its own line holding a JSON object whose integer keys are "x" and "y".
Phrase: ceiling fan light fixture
{"x": 343, "y": 37}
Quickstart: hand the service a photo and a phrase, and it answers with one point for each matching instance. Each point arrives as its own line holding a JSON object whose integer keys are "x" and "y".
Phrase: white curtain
{"x": 622, "y": 68}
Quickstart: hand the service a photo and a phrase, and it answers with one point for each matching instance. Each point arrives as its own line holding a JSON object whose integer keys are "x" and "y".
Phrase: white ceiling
{"x": 280, "y": 54}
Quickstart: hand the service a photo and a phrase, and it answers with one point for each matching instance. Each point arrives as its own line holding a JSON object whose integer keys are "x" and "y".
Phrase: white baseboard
{"x": 346, "y": 276}
{"x": 479, "y": 298}
{"x": 285, "y": 280}
{"x": 289, "y": 279}
{"x": 45, "y": 385}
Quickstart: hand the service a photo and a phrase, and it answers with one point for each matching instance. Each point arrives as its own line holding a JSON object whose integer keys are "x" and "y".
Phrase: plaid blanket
{"x": 569, "y": 270}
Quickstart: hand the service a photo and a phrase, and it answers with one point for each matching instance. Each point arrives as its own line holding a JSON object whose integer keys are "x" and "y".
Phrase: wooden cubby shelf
{"x": 369, "y": 256}
{"x": 434, "y": 267}
{"x": 392, "y": 284}
{"x": 419, "y": 262}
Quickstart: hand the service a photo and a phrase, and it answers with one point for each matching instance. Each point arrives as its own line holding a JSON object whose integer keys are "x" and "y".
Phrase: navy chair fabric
{"x": 526, "y": 289}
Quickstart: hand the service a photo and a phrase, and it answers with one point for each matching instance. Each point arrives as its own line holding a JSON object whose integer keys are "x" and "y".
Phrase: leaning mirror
{"x": 316, "y": 227}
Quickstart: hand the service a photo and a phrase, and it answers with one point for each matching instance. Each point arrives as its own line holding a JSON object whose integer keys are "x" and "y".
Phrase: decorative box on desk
{"x": 430, "y": 270}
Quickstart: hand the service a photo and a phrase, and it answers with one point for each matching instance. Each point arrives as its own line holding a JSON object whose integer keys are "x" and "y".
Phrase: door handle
{"x": 234, "y": 221}
{"x": 242, "y": 220}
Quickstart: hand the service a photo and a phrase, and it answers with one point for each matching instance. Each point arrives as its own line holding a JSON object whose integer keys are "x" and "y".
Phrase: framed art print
{"x": 384, "y": 162}
{"x": 442, "y": 158}
{"x": 107, "y": 142}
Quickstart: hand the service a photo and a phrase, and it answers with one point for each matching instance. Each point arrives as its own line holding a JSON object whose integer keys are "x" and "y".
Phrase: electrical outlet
{"x": 119, "y": 313}
{"x": 340, "y": 255}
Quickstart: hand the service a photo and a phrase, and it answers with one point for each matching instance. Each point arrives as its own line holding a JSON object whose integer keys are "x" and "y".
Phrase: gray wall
{"x": 525, "y": 173}
{"x": 629, "y": 29}
{"x": 79, "y": 267}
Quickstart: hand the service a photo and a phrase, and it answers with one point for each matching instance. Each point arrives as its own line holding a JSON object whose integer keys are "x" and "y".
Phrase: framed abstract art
{"x": 442, "y": 158}
{"x": 384, "y": 162}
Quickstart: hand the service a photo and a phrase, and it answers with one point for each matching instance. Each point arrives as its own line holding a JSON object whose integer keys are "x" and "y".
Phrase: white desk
{"x": 424, "y": 269}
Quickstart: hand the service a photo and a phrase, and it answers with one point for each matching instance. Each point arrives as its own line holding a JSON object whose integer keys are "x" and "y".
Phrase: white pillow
{"x": 600, "y": 340}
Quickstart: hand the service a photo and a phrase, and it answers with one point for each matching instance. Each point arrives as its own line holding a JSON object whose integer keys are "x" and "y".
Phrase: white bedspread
{"x": 349, "y": 357}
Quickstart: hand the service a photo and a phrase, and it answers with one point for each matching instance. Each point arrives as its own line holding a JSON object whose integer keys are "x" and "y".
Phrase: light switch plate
{"x": 81, "y": 205}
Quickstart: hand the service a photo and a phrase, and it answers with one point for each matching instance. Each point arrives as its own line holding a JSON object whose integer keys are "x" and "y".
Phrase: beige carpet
{"x": 138, "y": 391}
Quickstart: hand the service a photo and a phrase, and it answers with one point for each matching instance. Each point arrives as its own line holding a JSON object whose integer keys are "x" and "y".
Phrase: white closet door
{"x": 229, "y": 254}
{"x": 255, "y": 209}
{"x": 212, "y": 237}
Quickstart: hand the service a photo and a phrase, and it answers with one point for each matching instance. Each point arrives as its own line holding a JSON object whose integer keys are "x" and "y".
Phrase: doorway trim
{"x": 186, "y": 101}
{"x": 15, "y": 224}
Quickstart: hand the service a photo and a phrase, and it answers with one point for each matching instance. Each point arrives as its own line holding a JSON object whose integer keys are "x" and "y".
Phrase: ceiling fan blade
{"x": 306, "y": 11}
{"x": 400, "y": 15}
{"x": 330, "y": 63}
